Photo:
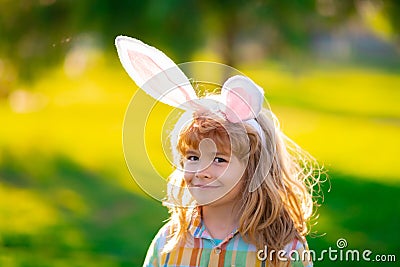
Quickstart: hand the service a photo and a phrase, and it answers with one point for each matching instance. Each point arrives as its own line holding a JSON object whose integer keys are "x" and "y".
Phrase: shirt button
{"x": 217, "y": 250}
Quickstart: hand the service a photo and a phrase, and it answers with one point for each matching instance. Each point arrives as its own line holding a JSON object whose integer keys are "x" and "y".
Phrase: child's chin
{"x": 201, "y": 201}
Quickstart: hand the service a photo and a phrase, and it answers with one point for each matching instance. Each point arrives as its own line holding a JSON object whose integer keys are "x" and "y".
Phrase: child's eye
{"x": 192, "y": 158}
{"x": 220, "y": 160}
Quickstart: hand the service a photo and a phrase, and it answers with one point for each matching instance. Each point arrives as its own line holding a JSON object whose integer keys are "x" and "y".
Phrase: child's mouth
{"x": 205, "y": 186}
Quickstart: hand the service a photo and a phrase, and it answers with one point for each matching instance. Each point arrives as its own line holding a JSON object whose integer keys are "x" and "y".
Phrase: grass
{"x": 71, "y": 216}
{"x": 67, "y": 197}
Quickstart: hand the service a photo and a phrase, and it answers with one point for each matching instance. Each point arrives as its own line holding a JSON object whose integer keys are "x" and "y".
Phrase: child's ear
{"x": 154, "y": 72}
{"x": 243, "y": 98}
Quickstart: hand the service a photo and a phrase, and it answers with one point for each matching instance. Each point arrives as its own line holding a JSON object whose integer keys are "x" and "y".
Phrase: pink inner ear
{"x": 143, "y": 65}
{"x": 239, "y": 108}
{"x": 146, "y": 68}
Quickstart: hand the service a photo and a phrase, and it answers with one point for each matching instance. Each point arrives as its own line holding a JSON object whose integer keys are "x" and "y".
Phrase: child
{"x": 241, "y": 194}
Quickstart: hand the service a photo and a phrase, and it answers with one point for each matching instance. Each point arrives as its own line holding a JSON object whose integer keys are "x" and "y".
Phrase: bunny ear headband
{"x": 240, "y": 99}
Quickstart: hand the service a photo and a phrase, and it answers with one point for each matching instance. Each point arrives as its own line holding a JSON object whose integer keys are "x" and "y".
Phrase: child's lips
{"x": 203, "y": 186}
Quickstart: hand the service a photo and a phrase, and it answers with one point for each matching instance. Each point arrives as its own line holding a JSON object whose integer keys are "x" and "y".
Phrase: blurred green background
{"x": 330, "y": 69}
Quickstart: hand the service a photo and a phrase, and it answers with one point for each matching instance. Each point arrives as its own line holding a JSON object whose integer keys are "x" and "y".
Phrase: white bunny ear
{"x": 154, "y": 72}
{"x": 243, "y": 98}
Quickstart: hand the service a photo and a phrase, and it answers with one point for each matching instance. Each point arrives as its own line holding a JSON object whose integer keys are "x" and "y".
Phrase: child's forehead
{"x": 209, "y": 145}
{"x": 201, "y": 129}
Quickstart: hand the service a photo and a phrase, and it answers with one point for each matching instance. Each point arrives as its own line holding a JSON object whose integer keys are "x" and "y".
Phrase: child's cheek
{"x": 188, "y": 176}
{"x": 190, "y": 167}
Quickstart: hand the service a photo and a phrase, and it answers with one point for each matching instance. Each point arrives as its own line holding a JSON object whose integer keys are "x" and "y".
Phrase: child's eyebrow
{"x": 196, "y": 152}
{"x": 222, "y": 154}
{"x": 218, "y": 153}
{"x": 191, "y": 151}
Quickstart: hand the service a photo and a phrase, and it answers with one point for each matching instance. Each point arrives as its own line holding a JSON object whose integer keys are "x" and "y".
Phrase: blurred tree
{"x": 37, "y": 34}
{"x": 392, "y": 10}
{"x": 282, "y": 27}
{"x": 383, "y": 17}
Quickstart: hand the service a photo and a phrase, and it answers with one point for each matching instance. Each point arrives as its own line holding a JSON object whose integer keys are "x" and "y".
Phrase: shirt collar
{"x": 198, "y": 230}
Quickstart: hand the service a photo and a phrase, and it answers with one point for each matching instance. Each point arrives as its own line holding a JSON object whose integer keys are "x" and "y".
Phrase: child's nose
{"x": 203, "y": 172}
{"x": 202, "y": 175}
{"x": 207, "y": 148}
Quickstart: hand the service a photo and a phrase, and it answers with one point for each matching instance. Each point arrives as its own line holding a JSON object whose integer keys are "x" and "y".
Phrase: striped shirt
{"x": 200, "y": 249}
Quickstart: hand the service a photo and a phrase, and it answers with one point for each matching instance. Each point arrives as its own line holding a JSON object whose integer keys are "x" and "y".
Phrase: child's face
{"x": 212, "y": 176}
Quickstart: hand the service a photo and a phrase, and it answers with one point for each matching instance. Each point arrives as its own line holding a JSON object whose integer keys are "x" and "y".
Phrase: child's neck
{"x": 220, "y": 220}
